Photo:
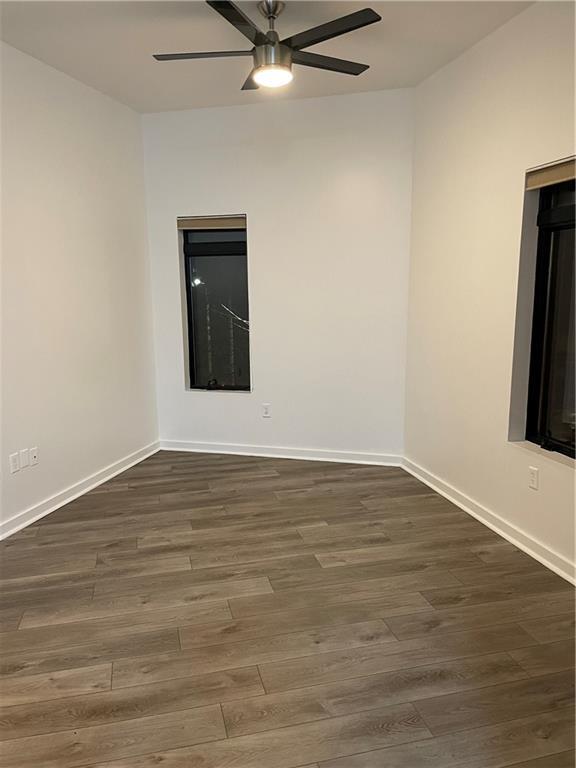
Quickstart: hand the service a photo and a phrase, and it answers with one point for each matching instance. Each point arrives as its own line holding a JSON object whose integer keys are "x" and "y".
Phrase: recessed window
{"x": 218, "y": 323}
{"x": 551, "y": 410}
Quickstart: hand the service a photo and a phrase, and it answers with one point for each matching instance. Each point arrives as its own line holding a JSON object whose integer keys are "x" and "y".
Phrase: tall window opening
{"x": 216, "y": 275}
{"x": 551, "y": 408}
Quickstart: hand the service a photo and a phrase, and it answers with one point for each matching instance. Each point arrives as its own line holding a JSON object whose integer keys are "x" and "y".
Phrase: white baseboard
{"x": 35, "y": 512}
{"x": 536, "y": 549}
{"x": 269, "y": 451}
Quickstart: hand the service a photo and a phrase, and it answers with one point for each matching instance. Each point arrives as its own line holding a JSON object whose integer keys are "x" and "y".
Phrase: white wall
{"x": 504, "y": 106}
{"x": 326, "y": 187}
{"x": 77, "y": 363}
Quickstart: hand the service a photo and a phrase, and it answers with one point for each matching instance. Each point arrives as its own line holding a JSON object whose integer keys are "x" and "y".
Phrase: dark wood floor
{"x": 205, "y": 611}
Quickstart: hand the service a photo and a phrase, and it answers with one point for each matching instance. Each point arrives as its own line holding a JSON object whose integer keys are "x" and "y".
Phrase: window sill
{"x": 560, "y": 458}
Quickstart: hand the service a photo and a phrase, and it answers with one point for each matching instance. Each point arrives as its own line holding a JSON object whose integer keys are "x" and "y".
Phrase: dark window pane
{"x": 551, "y": 417}
{"x": 218, "y": 317}
{"x": 559, "y": 403}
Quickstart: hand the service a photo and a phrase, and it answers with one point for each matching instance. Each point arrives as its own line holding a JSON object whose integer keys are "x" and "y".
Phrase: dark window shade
{"x": 212, "y": 222}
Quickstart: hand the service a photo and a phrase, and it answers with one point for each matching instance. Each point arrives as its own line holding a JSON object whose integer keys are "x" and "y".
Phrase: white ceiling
{"x": 109, "y": 45}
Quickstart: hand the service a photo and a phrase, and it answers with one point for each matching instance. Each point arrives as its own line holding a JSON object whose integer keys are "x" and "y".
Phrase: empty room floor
{"x": 210, "y": 611}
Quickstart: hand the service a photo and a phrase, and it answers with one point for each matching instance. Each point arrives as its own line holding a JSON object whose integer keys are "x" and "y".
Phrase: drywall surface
{"x": 504, "y": 106}
{"x": 77, "y": 362}
{"x": 326, "y": 187}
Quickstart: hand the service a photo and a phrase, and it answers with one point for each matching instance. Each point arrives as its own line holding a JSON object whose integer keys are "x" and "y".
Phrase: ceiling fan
{"x": 272, "y": 57}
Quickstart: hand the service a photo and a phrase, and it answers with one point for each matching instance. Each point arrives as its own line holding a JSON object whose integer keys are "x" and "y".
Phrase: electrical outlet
{"x": 33, "y": 456}
{"x": 266, "y": 411}
{"x": 533, "y": 478}
{"x": 14, "y": 460}
{"x": 24, "y": 458}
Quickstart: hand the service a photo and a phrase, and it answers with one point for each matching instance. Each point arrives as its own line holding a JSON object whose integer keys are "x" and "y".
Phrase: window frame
{"x": 551, "y": 219}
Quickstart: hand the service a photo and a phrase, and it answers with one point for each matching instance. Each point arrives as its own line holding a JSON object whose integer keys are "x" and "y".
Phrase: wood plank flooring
{"x": 210, "y": 611}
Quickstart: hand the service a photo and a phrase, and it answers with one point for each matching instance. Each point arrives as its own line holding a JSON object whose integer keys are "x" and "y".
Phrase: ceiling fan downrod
{"x": 271, "y": 9}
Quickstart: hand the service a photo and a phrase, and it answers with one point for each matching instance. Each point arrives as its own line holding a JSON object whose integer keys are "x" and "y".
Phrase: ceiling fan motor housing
{"x": 272, "y": 53}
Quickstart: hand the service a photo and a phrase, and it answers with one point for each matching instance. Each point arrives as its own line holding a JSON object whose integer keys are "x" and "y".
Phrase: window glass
{"x": 216, "y": 272}
{"x": 551, "y": 399}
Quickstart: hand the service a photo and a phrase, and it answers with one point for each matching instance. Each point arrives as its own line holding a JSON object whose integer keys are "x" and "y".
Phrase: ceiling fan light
{"x": 273, "y": 76}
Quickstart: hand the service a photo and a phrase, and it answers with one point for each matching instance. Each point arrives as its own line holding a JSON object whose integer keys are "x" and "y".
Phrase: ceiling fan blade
{"x": 250, "y": 84}
{"x": 332, "y": 29}
{"x": 328, "y": 62}
{"x": 238, "y": 19}
{"x": 199, "y": 55}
